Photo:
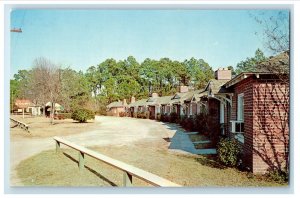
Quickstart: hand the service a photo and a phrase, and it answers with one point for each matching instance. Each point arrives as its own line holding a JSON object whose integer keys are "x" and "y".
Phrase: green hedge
{"x": 82, "y": 115}
{"x": 228, "y": 151}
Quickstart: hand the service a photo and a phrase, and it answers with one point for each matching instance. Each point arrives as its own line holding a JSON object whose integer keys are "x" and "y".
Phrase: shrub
{"x": 122, "y": 114}
{"x": 139, "y": 115}
{"x": 228, "y": 151}
{"x": 201, "y": 123}
{"x": 82, "y": 115}
{"x": 147, "y": 115}
{"x": 279, "y": 176}
{"x": 135, "y": 114}
{"x": 163, "y": 117}
{"x": 189, "y": 124}
{"x": 158, "y": 117}
{"x": 182, "y": 121}
{"x": 173, "y": 117}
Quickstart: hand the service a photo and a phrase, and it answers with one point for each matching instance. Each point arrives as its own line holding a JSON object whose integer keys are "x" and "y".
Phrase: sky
{"x": 83, "y": 38}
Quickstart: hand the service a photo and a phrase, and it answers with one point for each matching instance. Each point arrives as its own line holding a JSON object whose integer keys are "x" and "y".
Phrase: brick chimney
{"x": 182, "y": 89}
{"x": 154, "y": 95}
{"x": 132, "y": 99}
{"x": 223, "y": 74}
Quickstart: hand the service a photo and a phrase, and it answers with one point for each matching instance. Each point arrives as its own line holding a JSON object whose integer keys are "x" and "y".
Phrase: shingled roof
{"x": 116, "y": 104}
{"x": 164, "y": 100}
{"x": 142, "y": 102}
{"x": 276, "y": 64}
{"x": 187, "y": 96}
{"x": 216, "y": 86}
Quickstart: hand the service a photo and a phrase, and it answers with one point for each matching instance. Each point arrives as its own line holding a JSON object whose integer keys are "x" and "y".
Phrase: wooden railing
{"x": 21, "y": 124}
{"x": 128, "y": 170}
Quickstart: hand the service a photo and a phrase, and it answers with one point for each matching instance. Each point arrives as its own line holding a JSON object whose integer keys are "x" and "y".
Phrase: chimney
{"x": 223, "y": 74}
{"x": 124, "y": 102}
{"x": 182, "y": 89}
{"x": 154, "y": 95}
{"x": 132, "y": 99}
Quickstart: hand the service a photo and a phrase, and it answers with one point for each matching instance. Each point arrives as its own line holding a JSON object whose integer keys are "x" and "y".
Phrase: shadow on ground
{"x": 210, "y": 161}
{"x": 92, "y": 171}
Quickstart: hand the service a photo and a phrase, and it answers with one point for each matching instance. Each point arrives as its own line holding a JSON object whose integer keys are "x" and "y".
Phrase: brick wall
{"x": 270, "y": 125}
{"x": 266, "y": 123}
{"x": 245, "y": 87}
{"x": 115, "y": 111}
{"x": 223, "y": 74}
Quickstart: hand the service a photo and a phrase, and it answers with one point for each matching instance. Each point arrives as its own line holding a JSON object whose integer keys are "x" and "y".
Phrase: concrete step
{"x": 202, "y": 142}
{"x": 204, "y": 146}
{"x": 191, "y": 133}
{"x": 206, "y": 151}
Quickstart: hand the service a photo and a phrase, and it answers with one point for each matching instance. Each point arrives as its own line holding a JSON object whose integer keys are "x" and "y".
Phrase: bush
{"x": 122, "y": 114}
{"x": 135, "y": 114}
{"x": 139, "y": 115}
{"x": 182, "y": 121}
{"x": 278, "y": 176}
{"x": 228, "y": 151}
{"x": 164, "y": 118}
{"x": 82, "y": 115}
{"x": 173, "y": 117}
{"x": 201, "y": 123}
{"x": 147, "y": 115}
{"x": 158, "y": 117}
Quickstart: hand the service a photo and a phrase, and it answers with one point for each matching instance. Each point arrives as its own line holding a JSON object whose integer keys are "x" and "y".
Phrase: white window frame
{"x": 239, "y": 105}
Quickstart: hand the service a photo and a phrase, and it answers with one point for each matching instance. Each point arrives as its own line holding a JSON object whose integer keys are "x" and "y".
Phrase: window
{"x": 240, "y": 110}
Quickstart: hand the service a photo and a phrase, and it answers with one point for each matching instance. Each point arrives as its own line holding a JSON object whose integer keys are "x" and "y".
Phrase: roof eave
{"x": 243, "y": 76}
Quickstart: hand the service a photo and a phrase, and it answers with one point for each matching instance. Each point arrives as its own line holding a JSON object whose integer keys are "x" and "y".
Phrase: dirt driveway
{"x": 103, "y": 131}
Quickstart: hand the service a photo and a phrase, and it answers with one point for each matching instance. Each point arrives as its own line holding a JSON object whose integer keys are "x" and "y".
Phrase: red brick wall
{"x": 266, "y": 122}
{"x": 270, "y": 125}
{"x": 114, "y": 111}
{"x": 245, "y": 87}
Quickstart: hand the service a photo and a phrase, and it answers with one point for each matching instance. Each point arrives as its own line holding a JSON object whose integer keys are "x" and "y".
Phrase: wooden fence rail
{"x": 128, "y": 170}
{"x": 21, "y": 124}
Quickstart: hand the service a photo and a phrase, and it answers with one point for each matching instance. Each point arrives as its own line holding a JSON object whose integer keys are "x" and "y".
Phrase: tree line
{"x": 106, "y": 82}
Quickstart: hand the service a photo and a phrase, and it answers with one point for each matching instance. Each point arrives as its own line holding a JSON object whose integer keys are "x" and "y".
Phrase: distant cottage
{"x": 115, "y": 108}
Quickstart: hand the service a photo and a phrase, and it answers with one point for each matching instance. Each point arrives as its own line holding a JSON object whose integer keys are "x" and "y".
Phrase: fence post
{"x": 127, "y": 179}
{"x": 81, "y": 160}
{"x": 57, "y": 146}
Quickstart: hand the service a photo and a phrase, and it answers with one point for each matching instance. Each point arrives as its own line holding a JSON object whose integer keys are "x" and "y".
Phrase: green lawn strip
{"x": 50, "y": 169}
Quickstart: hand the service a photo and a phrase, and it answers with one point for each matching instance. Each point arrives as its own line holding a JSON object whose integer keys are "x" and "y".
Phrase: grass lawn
{"x": 50, "y": 169}
{"x": 40, "y": 127}
{"x": 197, "y": 137}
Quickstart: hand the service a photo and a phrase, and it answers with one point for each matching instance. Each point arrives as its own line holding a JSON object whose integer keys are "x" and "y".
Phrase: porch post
{"x": 181, "y": 110}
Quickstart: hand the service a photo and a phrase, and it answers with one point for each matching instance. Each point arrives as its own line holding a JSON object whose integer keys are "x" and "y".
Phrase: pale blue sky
{"x": 82, "y": 38}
